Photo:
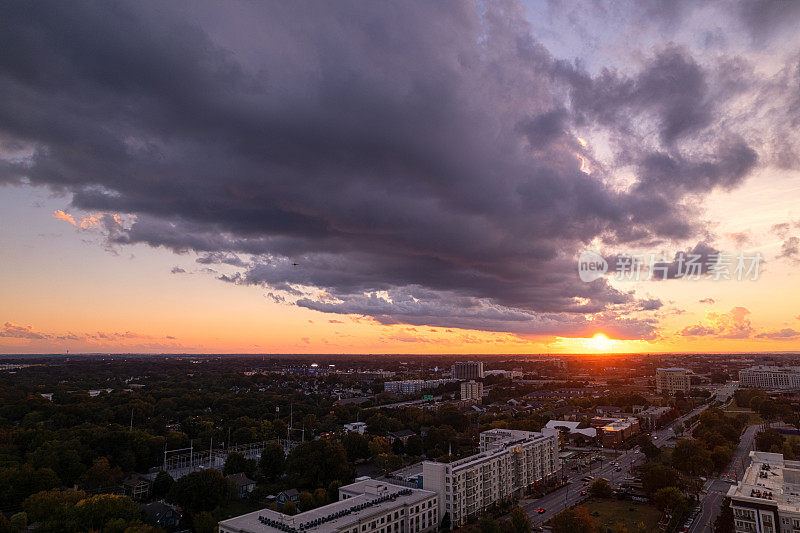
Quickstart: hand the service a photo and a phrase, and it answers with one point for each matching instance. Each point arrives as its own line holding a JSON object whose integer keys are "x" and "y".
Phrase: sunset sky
{"x": 396, "y": 177}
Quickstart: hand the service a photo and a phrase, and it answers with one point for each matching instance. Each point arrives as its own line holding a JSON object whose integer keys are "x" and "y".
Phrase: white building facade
{"x": 509, "y": 463}
{"x": 367, "y": 506}
{"x": 767, "y": 499}
{"x": 770, "y": 377}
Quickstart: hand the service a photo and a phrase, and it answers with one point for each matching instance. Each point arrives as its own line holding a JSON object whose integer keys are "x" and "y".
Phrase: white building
{"x": 770, "y": 377}
{"x": 767, "y": 499}
{"x": 366, "y": 506}
{"x": 467, "y": 370}
{"x": 509, "y": 462}
{"x": 672, "y": 380}
{"x": 357, "y": 427}
{"x": 472, "y": 390}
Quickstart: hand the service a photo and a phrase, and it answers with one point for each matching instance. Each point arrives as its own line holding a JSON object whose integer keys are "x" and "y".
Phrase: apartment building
{"x": 770, "y": 377}
{"x": 672, "y": 380}
{"x": 467, "y": 370}
{"x": 366, "y": 506}
{"x": 767, "y": 499}
{"x": 472, "y": 390}
{"x": 413, "y": 386}
{"x": 509, "y": 462}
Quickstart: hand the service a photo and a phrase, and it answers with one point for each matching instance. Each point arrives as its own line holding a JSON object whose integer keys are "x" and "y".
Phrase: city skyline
{"x": 398, "y": 178}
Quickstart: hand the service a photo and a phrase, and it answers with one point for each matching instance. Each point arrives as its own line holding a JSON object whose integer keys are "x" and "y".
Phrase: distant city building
{"x": 413, "y": 386}
{"x": 510, "y": 374}
{"x": 509, "y": 462}
{"x": 366, "y": 506}
{"x": 672, "y": 380}
{"x": 767, "y": 498}
{"x": 357, "y": 427}
{"x": 649, "y": 417}
{"x": 472, "y": 390}
{"x": 770, "y": 377}
{"x": 467, "y": 370}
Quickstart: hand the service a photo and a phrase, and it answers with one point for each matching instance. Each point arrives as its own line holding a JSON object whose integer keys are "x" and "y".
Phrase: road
{"x": 569, "y": 495}
{"x": 715, "y": 489}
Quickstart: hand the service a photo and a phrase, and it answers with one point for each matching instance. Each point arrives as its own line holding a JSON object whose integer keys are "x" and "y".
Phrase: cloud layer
{"x": 415, "y": 162}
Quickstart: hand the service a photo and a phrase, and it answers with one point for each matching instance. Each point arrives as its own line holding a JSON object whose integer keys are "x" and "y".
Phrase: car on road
{"x": 540, "y": 510}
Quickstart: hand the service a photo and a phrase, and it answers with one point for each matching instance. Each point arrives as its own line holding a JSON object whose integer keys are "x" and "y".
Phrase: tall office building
{"x": 767, "y": 499}
{"x": 672, "y": 380}
{"x": 467, "y": 370}
{"x": 509, "y": 462}
{"x": 770, "y": 377}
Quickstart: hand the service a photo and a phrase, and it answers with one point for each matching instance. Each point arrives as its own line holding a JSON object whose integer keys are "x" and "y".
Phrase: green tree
{"x": 333, "y": 491}
{"x": 575, "y": 520}
{"x": 600, "y": 488}
{"x": 487, "y": 525}
{"x": 305, "y": 501}
{"x": 766, "y": 440}
{"x": 691, "y": 457}
{"x": 272, "y": 463}
{"x": 320, "y": 497}
{"x": 93, "y": 512}
{"x": 356, "y": 446}
{"x": 101, "y": 475}
{"x": 199, "y": 491}
{"x": 520, "y": 521}
{"x": 316, "y": 463}
{"x": 161, "y": 484}
{"x": 204, "y": 523}
{"x": 289, "y": 508}
{"x": 52, "y": 506}
{"x": 446, "y": 522}
{"x": 236, "y": 463}
{"x": 669, "y": 498}
{"x": 724, "y": 522}
{"x": 414, "y": 445}
{"x": 19, "y": 521}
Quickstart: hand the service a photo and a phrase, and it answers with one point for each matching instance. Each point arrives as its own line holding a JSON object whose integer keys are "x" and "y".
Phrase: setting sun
{"x": 600, "y": 343}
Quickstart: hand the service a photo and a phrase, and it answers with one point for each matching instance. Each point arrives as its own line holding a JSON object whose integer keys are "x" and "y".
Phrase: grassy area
{"x": 606, "y": 513}
{"x": 732, "y": 409}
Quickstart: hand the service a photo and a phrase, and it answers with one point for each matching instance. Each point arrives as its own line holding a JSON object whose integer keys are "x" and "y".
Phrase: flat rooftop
{"x": 770, "y": 479}
{"x": 376, "y": 497}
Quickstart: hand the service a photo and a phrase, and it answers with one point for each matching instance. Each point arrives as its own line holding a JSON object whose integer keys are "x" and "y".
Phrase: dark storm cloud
{"x": 422, "y": 150}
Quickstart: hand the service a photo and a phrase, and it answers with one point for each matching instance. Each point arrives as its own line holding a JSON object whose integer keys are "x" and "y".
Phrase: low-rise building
{"x": 509, "y": 463}
{"x": 136, "y": 487}
{"x": 767, "y": 498}
{"x": 241, "y": 485}
{"x": 366, "y": 506}
{"x": 356, "y": 427}
{"x": 615, "y": 432}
